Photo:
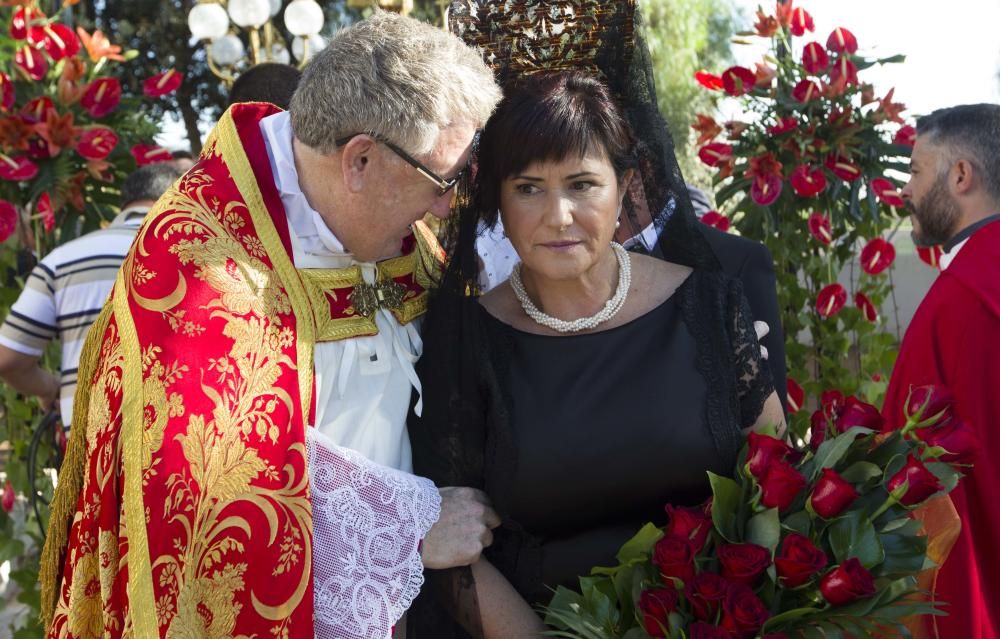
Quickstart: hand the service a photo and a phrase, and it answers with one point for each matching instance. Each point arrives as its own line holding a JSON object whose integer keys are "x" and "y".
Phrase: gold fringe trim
{"x": 71, "y": 474}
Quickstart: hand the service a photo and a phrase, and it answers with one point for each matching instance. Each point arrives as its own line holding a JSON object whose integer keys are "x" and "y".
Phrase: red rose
{"x": 780, "y": 485}
{"x": 953, "y": 436}
{"x": 906, "y": 136}
{"x": 841, "y": 40}
{"x": 716, "y": 220}
{"x": 807, "y": 181}
{"x": 738, "y": 81}
{"x": 743, "y": 612}
{"x": 744, "y": 563}
{"x": 867, "y": 306}
{"x": 7, "y": 501}
{"x": 674, "y": 558}
{"x": 832, "y": 494}
{"x": 929, "y": 401}
{"x": 801, "y": 22}
{"x": 162, "y": 83}
{"x": 920, "y": 482}
{"x": 764, "y": 450}
{"x": 818, "y": 426}
{"x": 8, "y": 220}
{"x": 715, "y": 153}
{"x": 820, "y": 228}
{"x": 701, "y": 630}
{"x": 846, "y": 583}
{"x": 709, "y": 81}
{"x": 886, "y": 192}
{"x": 858, "y": 413}
{"x": 806, "y": 91}
{"x": 101, "y": 97}
{"x": 842, "y": 168}
{"x": 798, "y": 560}
{"x": 877, "y": 256}
{"x": 796, "y": 396}
{"x": 688, "y": 524}
{"x": 705, "y": 593}
{"x": 656, "y": 606}
{"x": 833, "y": 401}
{"x": 814, "y": 58}
{"x": 831, "y": 299}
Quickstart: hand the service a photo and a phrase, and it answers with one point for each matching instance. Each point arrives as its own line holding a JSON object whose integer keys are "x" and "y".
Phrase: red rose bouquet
{"x": 816, "y": 541}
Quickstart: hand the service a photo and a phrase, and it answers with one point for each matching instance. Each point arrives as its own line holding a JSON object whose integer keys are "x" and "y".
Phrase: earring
{"x": 618, "y": 223}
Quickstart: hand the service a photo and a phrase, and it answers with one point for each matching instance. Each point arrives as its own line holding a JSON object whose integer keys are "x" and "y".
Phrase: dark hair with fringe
{"x": 548, "y": 117}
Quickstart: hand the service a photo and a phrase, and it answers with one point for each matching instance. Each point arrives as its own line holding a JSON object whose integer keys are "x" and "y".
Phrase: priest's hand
{"x": 462, "y": 531}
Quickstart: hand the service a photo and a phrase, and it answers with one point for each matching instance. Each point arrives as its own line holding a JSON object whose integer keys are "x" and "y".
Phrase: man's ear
{"x": 356, "y": 162}
{"x": 963, "y": 177}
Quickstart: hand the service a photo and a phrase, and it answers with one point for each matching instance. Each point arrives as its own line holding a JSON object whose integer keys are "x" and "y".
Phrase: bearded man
{"x": 954, "y": 340}
{"x": 239, "y": 459}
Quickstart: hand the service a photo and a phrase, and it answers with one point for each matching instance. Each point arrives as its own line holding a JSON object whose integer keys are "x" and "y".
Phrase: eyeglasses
{"x": 443, "y": 185}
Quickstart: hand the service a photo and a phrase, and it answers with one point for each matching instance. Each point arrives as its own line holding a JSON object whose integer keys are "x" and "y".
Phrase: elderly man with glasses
{"x": 239, "y": 462}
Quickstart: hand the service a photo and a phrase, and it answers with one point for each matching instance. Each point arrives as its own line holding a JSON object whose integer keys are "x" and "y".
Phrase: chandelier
{"x": 219, "y": 22}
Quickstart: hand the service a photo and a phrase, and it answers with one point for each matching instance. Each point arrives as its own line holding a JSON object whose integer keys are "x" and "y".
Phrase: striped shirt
{"x": 64, "y": 294}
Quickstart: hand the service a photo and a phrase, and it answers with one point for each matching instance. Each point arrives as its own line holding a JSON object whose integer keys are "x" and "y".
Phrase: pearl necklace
{"x": 611, "y": 307}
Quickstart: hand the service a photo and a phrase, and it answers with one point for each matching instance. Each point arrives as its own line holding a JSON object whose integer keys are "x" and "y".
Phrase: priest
{"x": 238, "y": 464}
{"x": 954, "y": 340}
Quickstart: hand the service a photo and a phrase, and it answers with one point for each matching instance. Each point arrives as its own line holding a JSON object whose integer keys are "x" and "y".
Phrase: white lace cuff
{"x": 368, "y": 521}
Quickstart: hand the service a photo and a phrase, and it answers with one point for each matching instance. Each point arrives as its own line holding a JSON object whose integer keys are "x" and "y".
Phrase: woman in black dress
{"x": 592, "y": 388}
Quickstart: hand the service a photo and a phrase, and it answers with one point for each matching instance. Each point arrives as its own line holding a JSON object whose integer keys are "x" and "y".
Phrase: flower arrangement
{"x": 810, "y": 541}
{"x": 812, "y": 170}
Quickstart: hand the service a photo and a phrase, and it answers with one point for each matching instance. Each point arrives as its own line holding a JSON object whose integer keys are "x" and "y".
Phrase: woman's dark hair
{"x": 548, "y": 117}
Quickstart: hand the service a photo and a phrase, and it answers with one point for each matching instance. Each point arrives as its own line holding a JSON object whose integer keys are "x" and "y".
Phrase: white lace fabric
{"x": 368, "y": 521}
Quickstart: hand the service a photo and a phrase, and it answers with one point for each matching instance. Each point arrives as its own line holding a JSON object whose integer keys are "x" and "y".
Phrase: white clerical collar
{"x": 947, "y": 258}
{"x": 312, "y": 233}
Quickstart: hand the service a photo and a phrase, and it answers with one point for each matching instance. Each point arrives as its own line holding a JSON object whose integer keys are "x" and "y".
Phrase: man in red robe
{"x": 238, "y": 464}
{"x": 954, "y": 341}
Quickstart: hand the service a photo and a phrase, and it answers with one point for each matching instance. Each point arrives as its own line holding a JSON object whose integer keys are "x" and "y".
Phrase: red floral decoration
{"x": 17, "y": 169}
{"x": 32, "y": 62}
{"x": 8, "y": 220}
{"x": 807, "y": 181}
{"x": 20, "y": 21}
{"x": 46, "y": 213}
{"x": 150, "y": 154}
{"x": 844, "y": 70}
{"x": 784, "y": 125}
{"x": 820, "y": 228}
{"x": 716, "y": 220}
{"x": 930, "y": 255}
{"x": 764, "y": 75}
{"x": 890, "y": 110}
{"x": 58, "y": 132}
{"x": 707, "y": 128}
{"x": 101, "y": 97}
{"x": 842, "y": 41}
{"x": 842, "y": 167}
{"x": 715, "y": 153}
{"x": 906, "y": 136}
{"x": 766, "y": 25}
{"x": 832, "y": 494}
{"x": 765, "y": 171}
{"x": 59, "y": 41}
{"x": 919, "y": 482}
{"x": 709, "y": 81}
{"x": 738, "y": 81}
{"x": 96, "y": 143}
{"x": 847, "y": 583}
{"x": 886, "y": 192}
{"x": 7, "y": 93}
{"x": 830, "y": 300}
{"x": 877, "y": 255}
{"x": 7, "y": 500}
{"x": 814, "y": 58}
{"x": 801, "y": 22}
{"x": 36, "y": 109}
{"x": 162, "y": 83}
{"x": 796, "y": 396}
{"x": 867, "y": 307}
{"x": 806, "y": 91}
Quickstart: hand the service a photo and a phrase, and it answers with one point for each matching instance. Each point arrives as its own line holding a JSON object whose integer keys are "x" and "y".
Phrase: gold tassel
{"x": 72, "y": 472}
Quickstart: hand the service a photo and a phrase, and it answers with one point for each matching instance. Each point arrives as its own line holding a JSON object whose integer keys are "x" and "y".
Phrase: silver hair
{"x": 394, "y": 76}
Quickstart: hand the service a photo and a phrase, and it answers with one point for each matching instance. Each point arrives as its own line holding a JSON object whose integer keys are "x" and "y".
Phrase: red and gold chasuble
{"x": 183, "y": 506}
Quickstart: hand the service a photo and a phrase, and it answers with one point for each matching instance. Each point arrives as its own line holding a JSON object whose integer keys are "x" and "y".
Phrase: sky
{"x": 952, "y": 49}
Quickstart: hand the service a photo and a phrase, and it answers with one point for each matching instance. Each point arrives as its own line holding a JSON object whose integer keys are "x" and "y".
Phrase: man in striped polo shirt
{"x": 65, "y": 292}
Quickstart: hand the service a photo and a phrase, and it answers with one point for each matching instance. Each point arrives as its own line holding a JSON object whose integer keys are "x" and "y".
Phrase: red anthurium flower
{"x": 707, "y": 128}
{"x": 766, "y": 26}
{"x": 784, "y": 125}
{"x": 35, "y": 110}
{"x": 842, "y": 41}
{"x": 808, "y": 181}
{"x": 715, "y": 153}
{"x": 890, "y": 110}
{"x": 767, "y": 178}
{"x": 21, "y": 21}
{"x": 7, "y": 500}
{"x": 877, "y": 256}
{"x": 930, "y": 255}
{"x": 830, "y": 300}
{"x": 906, "y": 136}
{"x": 806, "y": 91}
{"x": 38, "y": 149}
{"x": 841, "y": 117}
{"x": 814, "y": 58}
{"x": 763, "y": 75}
{"x": 920, "y": 482}
{"x": 708, "y": 80}
{"x": 844, "y": 71}
{"x": 820, "y": 228}
{"x": 801, "y": 22}
{"x": 96, "y": 143}
{"x": 738, "y": 80}
{"x": 150, "y": 154}
{"x": 46, "y": 213}
{"x": 162, "y": 83}
{"x": 17, "y": 169}
{"x": 8, "y": 220}
{"x": 842, "y": 167}
{"x": 867, "y": 307}
{"x": 796, "y": 396}
{"x": 59, "y": 41}
{"x": 101, "y": 97}
{"x": 716, "y": 219}
{"x": 7, "y": 95}
{"x": 31, "y": 62}
{"x": 887, "y": 193}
